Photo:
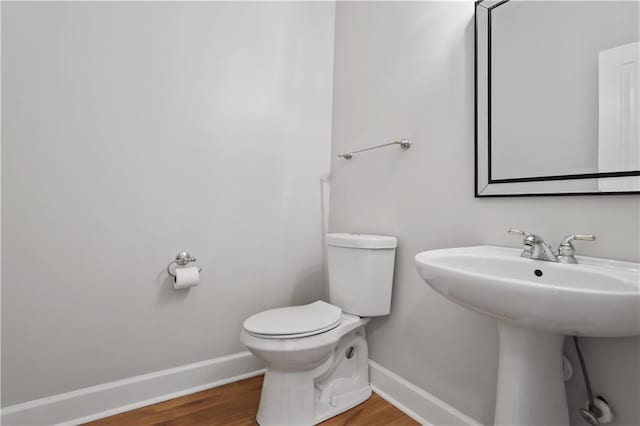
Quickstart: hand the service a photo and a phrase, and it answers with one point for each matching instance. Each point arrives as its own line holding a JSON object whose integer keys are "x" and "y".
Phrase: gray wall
{"x": 406, "y": 70}
{"x": 131, "y": 131}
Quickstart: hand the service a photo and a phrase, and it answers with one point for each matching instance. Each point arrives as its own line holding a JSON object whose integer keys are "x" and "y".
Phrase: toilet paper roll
{"x": 186, "y": 277}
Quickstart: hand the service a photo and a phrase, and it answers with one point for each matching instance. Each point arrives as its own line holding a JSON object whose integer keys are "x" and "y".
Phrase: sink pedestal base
{"x": 530, "y": 387}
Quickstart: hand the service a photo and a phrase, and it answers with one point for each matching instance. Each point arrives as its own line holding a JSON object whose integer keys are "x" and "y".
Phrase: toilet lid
{"x": 295, "y": 321}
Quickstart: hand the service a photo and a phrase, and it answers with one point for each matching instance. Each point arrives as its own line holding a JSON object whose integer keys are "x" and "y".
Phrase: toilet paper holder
{"x": 183, "y": 258}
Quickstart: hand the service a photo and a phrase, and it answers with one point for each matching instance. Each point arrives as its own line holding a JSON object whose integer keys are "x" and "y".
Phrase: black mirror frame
{"x": 484, "y": 184}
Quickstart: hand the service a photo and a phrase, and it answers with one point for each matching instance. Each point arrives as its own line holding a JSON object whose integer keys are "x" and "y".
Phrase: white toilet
{"x": 316, "y": 355}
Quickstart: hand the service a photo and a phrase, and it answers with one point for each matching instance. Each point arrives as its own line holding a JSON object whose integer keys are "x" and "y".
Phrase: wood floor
{"x": 236, "y": 404}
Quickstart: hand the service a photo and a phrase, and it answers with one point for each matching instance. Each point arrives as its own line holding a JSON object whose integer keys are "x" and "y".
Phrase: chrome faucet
{"x": 536, "y": 248}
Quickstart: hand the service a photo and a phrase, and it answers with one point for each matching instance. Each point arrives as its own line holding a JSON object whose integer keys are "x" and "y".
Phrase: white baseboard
{"x": 415, "y": 402}
{"x": 95, "y": 402}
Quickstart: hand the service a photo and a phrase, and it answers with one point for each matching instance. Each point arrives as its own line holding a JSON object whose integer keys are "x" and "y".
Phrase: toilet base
{"x": 326, "y": 411}
{"x": 309, "y": 397}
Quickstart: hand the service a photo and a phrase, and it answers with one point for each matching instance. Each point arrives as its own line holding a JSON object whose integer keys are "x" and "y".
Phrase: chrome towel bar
{"x": 404, "y": 144}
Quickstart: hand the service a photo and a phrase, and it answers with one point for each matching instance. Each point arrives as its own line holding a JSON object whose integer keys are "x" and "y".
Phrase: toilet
{"x": 316, "y": 355}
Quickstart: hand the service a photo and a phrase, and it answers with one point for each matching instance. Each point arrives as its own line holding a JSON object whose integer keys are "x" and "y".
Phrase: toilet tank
{"x": 361, "y": 272}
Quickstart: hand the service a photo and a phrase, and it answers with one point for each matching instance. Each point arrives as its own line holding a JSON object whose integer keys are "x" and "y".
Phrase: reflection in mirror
{"x": 557, "y": 104}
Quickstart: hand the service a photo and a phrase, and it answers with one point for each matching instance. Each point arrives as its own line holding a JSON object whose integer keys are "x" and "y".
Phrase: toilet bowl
{"x": 316, "y": 355}
{"x": 313, "y": 377}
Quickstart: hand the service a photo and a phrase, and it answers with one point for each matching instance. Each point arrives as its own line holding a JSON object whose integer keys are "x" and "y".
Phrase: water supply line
{"x": 595, "y": 412}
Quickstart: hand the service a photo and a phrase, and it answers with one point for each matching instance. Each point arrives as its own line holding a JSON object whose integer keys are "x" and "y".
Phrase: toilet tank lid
{"x": 365, "y": 241}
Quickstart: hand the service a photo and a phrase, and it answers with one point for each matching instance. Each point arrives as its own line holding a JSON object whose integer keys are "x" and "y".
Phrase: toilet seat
{"x": 294, "y": 321}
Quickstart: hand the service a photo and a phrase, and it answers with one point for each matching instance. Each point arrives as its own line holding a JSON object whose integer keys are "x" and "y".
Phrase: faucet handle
{"x": 515, "y": 231}
{"x": 566, "y": 252}
{"x": 529, "y": 240}
{"x": 579, "y": 237}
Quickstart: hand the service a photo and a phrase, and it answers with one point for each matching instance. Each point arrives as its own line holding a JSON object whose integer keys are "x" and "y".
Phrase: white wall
{"x": 132, "y": 131}
{"x": 406, "y": 70}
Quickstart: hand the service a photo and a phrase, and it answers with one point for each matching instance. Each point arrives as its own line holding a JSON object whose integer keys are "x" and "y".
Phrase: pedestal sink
{"x": 536, "y": 304}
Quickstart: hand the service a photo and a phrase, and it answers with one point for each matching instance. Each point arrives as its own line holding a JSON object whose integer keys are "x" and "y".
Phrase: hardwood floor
{"x": 236, "y": 404}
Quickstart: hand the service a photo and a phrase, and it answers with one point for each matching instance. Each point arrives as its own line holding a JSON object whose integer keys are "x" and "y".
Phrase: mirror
{"x": 557, "y": 97}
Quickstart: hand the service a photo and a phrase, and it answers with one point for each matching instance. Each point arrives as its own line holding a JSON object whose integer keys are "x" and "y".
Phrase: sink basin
{"x": 536, "y": 303}
{"x": 597, "y": 297}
